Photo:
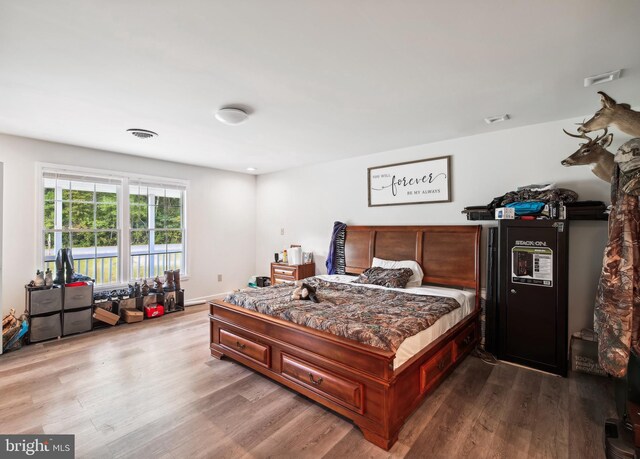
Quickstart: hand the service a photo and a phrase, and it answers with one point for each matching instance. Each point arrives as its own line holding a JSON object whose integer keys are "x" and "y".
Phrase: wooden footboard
{"x": 355, "y": 380}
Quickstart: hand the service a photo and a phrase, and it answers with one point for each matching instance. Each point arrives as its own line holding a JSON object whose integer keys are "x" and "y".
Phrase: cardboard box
{"x": 154, "y": 310}
{"x": 129, "y": 303}
{"x": 106, "y": 316}
{"x": 130, "y": 315}
{"x": 584, "y": 354}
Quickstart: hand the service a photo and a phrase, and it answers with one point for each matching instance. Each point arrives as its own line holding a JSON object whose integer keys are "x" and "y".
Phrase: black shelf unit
{"x": 116, "y": 306}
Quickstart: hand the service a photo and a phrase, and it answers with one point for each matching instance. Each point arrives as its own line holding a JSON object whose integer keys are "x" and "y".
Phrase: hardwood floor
{"x": 153, "y": 390}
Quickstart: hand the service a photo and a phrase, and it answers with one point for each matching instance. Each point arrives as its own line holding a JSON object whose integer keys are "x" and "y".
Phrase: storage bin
{"x": 45, "y": 327}
{"x": 77, "y": 321}
{"x": 45, "y": 301}
{"x": 78, "y": 297}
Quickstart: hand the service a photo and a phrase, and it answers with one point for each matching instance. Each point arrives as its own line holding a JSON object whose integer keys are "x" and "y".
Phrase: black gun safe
{"x": 527, "y": 307}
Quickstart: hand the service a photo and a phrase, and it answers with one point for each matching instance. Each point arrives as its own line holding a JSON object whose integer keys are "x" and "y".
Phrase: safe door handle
{"x": 513, "y": 290}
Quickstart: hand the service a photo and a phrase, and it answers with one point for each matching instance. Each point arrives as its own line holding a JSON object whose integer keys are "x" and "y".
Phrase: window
{"x": 157, "y": 231}
{"x": 119, "y": 228}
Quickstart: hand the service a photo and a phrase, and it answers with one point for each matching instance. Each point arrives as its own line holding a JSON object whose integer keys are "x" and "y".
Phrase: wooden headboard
{"x": 448, "y": 255}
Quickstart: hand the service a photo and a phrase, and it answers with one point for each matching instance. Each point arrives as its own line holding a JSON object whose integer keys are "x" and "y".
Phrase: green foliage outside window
{"x": 88, "y": 211}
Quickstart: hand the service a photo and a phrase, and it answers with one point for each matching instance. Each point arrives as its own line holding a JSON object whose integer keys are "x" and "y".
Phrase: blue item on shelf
{"x": 527, "y": 207}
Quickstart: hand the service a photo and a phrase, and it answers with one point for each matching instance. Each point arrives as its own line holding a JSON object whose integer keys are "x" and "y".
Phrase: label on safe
{"x": 532, "y": 265}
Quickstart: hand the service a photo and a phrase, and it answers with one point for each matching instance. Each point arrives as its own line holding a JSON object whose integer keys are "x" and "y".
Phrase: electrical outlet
{"x": 281, "y": 231}
{"x": 219, "y": 277}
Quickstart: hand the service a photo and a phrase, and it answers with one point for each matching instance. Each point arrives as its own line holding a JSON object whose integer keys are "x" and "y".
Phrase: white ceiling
{"x": 324, "y": 79}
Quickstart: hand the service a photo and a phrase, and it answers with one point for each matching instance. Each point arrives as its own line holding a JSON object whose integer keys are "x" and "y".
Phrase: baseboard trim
{"x": 204, "y": 299}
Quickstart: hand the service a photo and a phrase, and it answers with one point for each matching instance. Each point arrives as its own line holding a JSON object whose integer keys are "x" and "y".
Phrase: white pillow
{"x": 414, "y": 281}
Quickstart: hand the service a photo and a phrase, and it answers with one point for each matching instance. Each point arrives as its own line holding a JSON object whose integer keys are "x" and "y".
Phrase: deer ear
{"x": 606, "y": 141}
{"x": 607, "y": 102}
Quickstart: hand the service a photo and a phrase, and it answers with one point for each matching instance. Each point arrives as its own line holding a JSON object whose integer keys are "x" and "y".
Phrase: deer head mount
{"x": 612, "y": 113}
{"x": 593, "y": 152}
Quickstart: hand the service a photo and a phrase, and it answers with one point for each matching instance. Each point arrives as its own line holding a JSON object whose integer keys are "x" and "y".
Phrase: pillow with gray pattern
{"x": 393, "y": 278}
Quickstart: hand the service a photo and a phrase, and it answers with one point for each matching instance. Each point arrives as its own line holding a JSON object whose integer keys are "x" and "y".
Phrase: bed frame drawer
{"x": 466, "y": 340}
{"x": 250, "y": 349}
{"x": 336, "y": 388}
{"x": 434, "y": 370}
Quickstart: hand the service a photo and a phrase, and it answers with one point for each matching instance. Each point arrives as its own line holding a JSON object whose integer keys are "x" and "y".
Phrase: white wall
{"x": 220, "y": 215}
{"x": 306, "y": 201}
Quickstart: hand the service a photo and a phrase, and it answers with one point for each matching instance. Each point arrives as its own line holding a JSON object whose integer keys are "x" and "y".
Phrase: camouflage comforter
{"x": 378, "y": 317}
{"x": 617, "y": 311}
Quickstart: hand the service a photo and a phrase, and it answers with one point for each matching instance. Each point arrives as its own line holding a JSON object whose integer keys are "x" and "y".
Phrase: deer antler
{"x": 579, "y": 136}
{"x": 600, "y": 137}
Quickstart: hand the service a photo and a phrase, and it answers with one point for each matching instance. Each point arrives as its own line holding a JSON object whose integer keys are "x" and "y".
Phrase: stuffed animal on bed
{"x": 304, "y": 292}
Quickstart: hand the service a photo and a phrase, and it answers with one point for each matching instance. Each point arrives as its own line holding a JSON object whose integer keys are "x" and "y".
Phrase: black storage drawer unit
{"x": 45, "y": 327}
{"x": 78, "y": 321}
{"x": 78, "y": 297}
{"x": 45, "y": 301}
{"x": 532, "y": 294}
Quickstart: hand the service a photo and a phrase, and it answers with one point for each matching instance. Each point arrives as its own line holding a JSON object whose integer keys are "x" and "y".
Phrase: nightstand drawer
{"x": 282, "y": 279}
{"x": 252, "y": 350}
{"x": 284, "y": 271}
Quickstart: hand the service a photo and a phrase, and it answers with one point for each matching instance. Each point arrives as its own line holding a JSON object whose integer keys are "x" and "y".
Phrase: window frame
{"x": 123, "y": 224}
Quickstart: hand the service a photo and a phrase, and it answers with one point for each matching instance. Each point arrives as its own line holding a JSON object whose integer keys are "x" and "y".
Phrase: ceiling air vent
{"x": 142, "y": 133}
{"x": 602, "y": 78}
{"x": 496, "y": 119}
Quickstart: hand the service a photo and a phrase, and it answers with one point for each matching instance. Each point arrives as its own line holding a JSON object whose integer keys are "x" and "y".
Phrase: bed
{"x": 374, "y": 387}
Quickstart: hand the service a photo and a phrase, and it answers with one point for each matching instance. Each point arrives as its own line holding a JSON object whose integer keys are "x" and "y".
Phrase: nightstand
{"x": 282, "y": 272}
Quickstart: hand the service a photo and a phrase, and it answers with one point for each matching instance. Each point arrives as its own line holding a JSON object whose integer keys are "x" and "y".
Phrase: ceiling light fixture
{"x": 251, "y": 169}
{"x": 142, "y": 133}
{"x": 496, "y": 119}
{"x": 602, "y": 78}
{"x": 231, "y": 116}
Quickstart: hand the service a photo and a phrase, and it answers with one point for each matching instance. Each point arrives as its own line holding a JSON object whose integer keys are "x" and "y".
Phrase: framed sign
{"x": 414, "y": 182}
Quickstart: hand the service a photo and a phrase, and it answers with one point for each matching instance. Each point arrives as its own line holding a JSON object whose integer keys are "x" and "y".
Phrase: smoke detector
{"x": 231, "y": 116}
{"x": 142, "y": 133}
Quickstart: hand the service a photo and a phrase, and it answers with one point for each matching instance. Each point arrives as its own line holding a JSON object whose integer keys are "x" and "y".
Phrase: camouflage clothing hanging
{"x": 617, "y": 310}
